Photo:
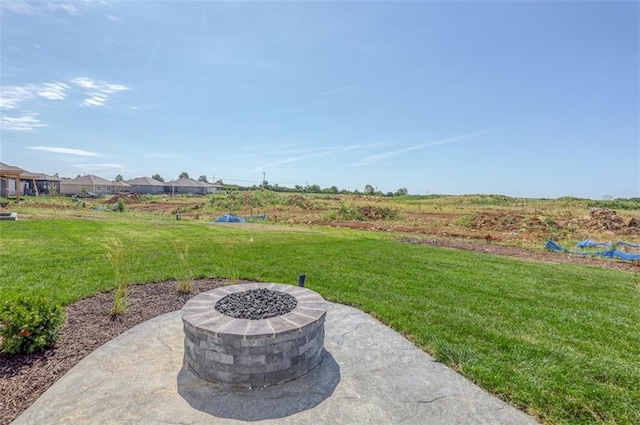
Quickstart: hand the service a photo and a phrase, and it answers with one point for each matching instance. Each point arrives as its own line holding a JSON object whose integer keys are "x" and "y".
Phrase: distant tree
{"x": 183, "y": 175}
{"x": 157, "y": 177}
{"x": 314, "y": 188}
{"x": 203, "y": 178}
{"x": 119, "y": 178}
{"x": 402, "y": 191}
{"x": 369, "y": 190}
{"x": 298, "y": 188}
{"x": 332, "y": 190}
{"x": 219, "y": 181}
{"x": 389, "y": 194}
{"x": 56, "y": 175}
{"x": 53, "y": 189}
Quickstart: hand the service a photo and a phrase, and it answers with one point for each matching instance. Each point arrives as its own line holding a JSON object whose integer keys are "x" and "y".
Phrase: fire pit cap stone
{"x": 199, "y": 313}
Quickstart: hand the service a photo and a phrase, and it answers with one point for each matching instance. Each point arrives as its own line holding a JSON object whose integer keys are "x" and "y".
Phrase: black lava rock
{"x": 256, "y": 304}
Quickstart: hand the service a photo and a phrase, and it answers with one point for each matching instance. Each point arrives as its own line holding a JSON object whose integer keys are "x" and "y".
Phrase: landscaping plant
{"x": 184, "y": 276}
{"x": 115, "y": 254}
{"x": 29, "y": 324}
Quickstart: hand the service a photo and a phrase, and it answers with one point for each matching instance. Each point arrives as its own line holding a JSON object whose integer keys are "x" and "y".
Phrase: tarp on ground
{"x": 230, "y": 219}
{"x": 590, "y": 243}
{"x": 610, "y": 253}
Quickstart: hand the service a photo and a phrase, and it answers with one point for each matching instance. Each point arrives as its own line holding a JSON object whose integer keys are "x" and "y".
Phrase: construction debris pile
{"x": 602, "y": 220}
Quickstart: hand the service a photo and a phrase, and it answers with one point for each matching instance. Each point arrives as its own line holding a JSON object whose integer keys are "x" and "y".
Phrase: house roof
{"x": 7, "y": 167}
{"x": 13, "y": 171}
{"x": 91, "y": 180}
{"x": 187, "y": 183}
{"x": 120, "y": 183}
{"x": 145, "y": 181}
{"x": 192, "y": 183}
{"x": 39, "y": 176}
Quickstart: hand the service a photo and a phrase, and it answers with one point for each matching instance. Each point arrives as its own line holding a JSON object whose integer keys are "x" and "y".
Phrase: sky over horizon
{"x": 531, "y": 99}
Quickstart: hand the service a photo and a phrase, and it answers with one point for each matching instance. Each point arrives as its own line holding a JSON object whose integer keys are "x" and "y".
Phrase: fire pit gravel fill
{"x": 256, "y": 304}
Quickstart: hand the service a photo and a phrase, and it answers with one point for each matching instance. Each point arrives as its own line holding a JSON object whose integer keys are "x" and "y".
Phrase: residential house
{"x": 91, "y": 183}
{"x": 191, "y": 186}
{"x": 120, "y": 187}
{"x": 15, "y": 181}
{"x": 146, "y": 185}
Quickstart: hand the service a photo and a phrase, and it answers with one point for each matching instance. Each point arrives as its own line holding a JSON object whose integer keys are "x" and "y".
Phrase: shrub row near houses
{"x": 29, "y": 324}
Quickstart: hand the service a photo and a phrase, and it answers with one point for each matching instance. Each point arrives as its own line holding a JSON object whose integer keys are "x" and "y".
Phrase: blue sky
{"x": 534, "y": 99}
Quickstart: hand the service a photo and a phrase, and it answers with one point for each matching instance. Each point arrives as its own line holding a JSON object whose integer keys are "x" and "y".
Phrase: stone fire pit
{"x": 253, "y": 334}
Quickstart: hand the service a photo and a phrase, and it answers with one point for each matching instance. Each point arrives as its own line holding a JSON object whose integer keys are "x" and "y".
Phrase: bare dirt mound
{"x": 605, "y": 220}
{"x": 126, "y": 197}
{"x": 505, "y": 222}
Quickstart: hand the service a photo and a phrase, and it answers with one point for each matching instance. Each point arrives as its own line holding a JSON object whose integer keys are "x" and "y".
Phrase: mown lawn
{"x": 558, "y": 341}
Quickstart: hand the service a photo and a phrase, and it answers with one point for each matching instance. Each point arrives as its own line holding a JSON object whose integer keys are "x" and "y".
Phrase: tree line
{"x": 313, "y": 188}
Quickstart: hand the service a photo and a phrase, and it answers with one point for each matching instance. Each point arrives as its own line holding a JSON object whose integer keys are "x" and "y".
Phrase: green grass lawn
{"x": 561, "y": 342}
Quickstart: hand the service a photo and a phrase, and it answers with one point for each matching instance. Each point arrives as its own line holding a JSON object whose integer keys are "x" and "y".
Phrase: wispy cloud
{"x": 372, "y": 159}
{"x": 27, "y": 122}
{"x": 308, "y": 153}
{"x": 53, "y": 91}
{"x": 11, "y": 97}
{"x": 20, "y": 99}
{"x": 65, "y": 151}
{"x": 19, "y": 7}
{"x": 291, "y": 159}
{"x": 336, "y": 148}
{"x": 97, "y": 91}
{"x": 75, "y": 8}
{"x": 340, "y": 89}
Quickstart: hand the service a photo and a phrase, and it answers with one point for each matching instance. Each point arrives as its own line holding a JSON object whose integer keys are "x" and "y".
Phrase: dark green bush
{"x": 29, "y": 325}
{"x": 120, "y": 205}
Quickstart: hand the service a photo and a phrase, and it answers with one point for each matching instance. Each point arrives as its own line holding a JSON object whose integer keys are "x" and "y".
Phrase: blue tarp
{"x": 230, "y": 219}
{"x": 589, "y": 243}
{"x": 610, "y": 253}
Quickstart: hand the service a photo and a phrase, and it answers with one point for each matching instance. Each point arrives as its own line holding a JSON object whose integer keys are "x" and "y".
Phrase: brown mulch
{"x": 89, "y": 323}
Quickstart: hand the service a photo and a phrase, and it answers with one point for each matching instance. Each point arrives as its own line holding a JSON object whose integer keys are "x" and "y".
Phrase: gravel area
{"x": 256, "y": 304}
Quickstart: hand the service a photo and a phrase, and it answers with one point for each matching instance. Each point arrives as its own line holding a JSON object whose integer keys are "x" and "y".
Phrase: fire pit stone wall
{"x": 253, "y": 353}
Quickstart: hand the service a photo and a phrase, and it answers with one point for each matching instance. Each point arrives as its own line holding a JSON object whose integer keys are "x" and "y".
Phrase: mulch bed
{"x": 89, "y": 323}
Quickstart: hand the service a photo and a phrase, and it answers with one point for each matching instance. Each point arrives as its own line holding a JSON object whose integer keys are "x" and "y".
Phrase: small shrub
{"x": 120, "y": 205}
{"x": 30, "y": 325}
